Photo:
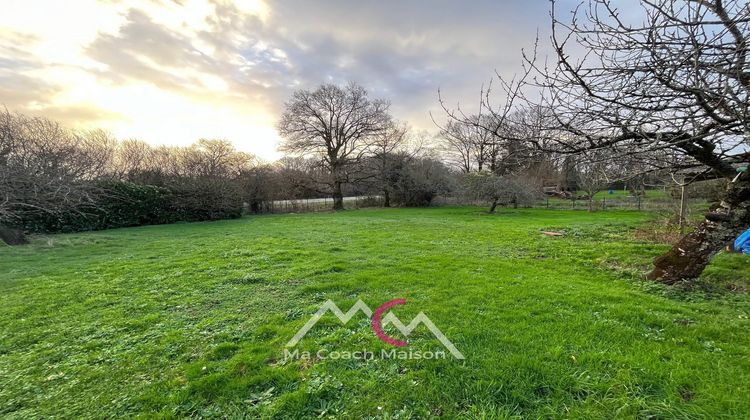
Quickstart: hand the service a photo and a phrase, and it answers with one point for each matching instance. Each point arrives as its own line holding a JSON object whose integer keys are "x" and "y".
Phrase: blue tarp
{"x": 742, "y": 244}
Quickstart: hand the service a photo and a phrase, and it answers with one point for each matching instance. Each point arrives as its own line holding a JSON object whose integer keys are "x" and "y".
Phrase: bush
{"x": 420, "y": 182}
{"x": 112, "y": 204}
{"x": 125, "y": 204}
{"x": 501, "y": 190}
{"x": 205, "y": 199}
{"x": 118, "y": 204}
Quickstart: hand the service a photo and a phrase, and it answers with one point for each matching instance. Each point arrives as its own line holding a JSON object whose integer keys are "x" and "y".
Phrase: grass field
{"x": 620, "y": 193}
{"x": 191, "y": 320}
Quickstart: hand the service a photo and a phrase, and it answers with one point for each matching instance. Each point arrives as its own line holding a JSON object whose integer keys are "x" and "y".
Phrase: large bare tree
{"x": 334, "y": 124}
{"x": 664, "y": 78}
{"x": 675, "y": 78}
{"x": 470, "y": 147}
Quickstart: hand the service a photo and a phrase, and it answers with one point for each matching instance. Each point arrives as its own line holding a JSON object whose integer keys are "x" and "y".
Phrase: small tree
{"x": 334, "y": 124}
{"x": 500, "y": 190}
{"x": 418, "y": 181}
{"x": 391, "y": 151}
{"x": 259, "y": 186}
{"x": 594, "y": 175}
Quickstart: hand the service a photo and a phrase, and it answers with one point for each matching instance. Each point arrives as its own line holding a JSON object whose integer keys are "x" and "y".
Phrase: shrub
{"x": 116, "y": 204}
{"x": 205, "y": 199}
{"x": 420, "y": 182}
{"x": 113, "y": 204}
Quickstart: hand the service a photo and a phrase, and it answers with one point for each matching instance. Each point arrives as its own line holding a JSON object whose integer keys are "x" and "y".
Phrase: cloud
{"x": 231, "y": 65}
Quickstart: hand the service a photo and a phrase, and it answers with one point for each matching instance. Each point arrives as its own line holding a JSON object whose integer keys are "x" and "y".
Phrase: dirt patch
{"x": 660, "y": 232}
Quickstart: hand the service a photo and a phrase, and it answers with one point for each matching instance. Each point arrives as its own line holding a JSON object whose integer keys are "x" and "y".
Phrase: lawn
{"x": 192, "y": 319}
{"x": 619, "y": 193}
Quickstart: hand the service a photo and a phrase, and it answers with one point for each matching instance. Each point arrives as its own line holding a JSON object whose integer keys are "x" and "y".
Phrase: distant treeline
{"x": 54, "y": 179}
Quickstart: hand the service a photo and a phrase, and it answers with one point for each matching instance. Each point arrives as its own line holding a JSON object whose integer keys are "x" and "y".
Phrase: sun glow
{"x": 57, "y": 35}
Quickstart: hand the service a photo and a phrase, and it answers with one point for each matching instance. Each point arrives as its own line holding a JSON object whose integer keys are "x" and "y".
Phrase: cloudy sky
{"x": 170, "y": 72}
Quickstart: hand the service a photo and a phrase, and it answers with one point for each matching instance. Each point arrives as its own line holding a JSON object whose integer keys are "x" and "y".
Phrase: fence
{"x": 599, "y": 204}
{"x": 662, "y": 204}
{"x": 308, "y": 205}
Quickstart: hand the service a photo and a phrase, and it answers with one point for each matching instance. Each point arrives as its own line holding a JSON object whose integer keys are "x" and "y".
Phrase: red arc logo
{"x": 378, "y": 328}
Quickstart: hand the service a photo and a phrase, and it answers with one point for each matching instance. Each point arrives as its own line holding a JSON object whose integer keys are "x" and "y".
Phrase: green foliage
{"x": 202, "y": 199}
{"x": 117, "y": 204}
{"x": 191, "y": 320}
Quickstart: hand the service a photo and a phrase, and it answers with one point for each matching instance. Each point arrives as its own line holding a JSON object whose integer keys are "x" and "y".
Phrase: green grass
{"x": 621, "y": 194}
{"x": 623, "y": 200}
{"x": 191, "y": 320}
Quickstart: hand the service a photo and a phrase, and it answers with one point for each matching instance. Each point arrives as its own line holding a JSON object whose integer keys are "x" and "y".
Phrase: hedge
{"x": 118, "y": 204}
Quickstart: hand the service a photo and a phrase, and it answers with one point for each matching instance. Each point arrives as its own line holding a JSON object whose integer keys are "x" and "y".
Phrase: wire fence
{"x": 597, "y": 204}
{"x": 309, "y": 205}
{"x": 662, "y": 204}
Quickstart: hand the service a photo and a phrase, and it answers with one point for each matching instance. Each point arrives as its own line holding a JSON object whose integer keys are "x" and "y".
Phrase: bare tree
{"x": 675, "y": 79}
{"x": 469, "y": 146}
{"x": 680, "y": 82}
{"x": 390, "y": 151}
{"x": 260, "y": 185}
{"x": 94, "y": 154}
{"x": 41, "y": 165}
{"x": 501, "y": 190}
{"x": 131, "y": 158}
{"x": 55, "y": 179}
{"x": 334, "y": 124}
{"x": 458, "y": 145}
{"x": 215, "y": 159}
{"x": 597, "y": 169}
{"x": 420, "y": 180}
{"x": 299, "y": 177}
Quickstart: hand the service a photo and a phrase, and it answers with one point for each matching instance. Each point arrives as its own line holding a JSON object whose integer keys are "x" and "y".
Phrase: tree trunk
{"x": 338, "y": 196}
{"x": 687, "y": 259}
{"x": 494, "y": 206}
{"x": 386, "y": 198}
{"x": 12, "y": 236}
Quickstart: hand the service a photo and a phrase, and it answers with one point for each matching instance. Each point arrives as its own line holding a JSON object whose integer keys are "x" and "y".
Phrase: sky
{"x": 171, "y": 72}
